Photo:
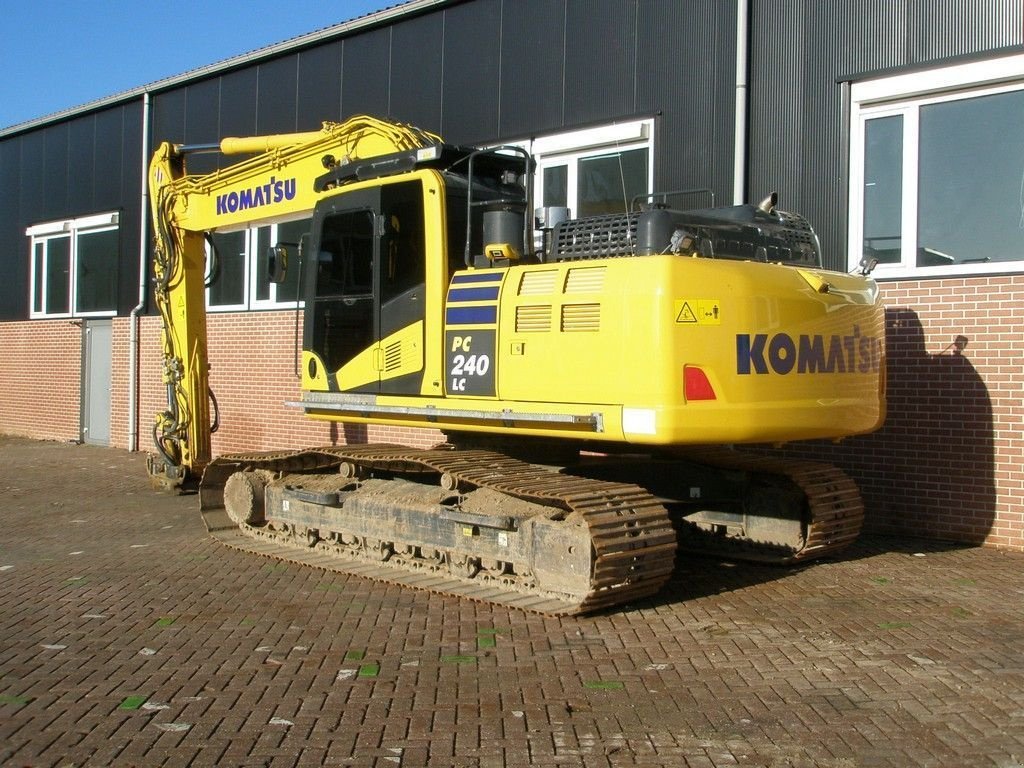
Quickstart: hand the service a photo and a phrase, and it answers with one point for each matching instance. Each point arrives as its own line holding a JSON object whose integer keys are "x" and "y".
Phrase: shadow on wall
{"x": 929, "y": 471}
{"x": 347, "y": 434}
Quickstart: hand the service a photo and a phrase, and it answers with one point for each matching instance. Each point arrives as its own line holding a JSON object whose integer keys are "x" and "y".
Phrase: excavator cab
{"x": 385, "y": 249}
{"x": 366, "y": 283}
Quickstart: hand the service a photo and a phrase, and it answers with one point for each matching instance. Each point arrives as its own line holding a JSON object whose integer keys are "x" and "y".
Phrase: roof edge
{"x": 359, "y": 23}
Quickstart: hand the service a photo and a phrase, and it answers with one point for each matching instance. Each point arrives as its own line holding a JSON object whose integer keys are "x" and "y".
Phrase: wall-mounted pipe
{"x": 133, "y": 321}
{"x": 739, "y": 168}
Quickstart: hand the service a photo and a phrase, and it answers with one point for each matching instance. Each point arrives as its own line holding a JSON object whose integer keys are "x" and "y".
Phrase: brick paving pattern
{"x": 129, "y": 638}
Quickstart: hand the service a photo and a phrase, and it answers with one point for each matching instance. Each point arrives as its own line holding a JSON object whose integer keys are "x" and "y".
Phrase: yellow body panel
{"x": 399, "y": 354}
{"x": 790, "y": 354}
{"x": 633, "y": 347}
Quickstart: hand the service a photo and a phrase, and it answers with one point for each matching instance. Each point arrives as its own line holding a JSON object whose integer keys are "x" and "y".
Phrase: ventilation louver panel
{"x": 533, "y": 319}
{"x": 538, "y": 283}
{"x": 581, "y": 317}
{"x": 585, "y": 280}
{"x": 393, "y": 357}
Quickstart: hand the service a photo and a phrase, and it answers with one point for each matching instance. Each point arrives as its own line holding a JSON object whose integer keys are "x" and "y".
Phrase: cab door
{"x": 364, "y": 322}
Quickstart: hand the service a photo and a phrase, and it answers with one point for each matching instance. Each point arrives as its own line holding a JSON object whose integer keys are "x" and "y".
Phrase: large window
{"x": 937, "y": 170}
{"x": 596, "y": 170}
{"x": 74, "y": 267}
{"x": 239, "y": 276}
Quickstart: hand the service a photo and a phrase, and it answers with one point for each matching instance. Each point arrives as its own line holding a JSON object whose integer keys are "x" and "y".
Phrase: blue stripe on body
{"x": 476, "y": 277}
{"x": 487, "y": 293}
{"x": 471, "y": 315}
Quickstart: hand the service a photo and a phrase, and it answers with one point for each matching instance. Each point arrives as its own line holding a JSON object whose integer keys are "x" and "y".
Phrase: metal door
{"x": 96, "y": 365}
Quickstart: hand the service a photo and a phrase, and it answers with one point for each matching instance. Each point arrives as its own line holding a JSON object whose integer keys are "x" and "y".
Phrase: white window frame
{"x": 568, "y": 147}
{"x": 904, "y": 95}
{"x": 249, "y": 279}
{"x": 246, "y": 266}
{"x": 70, "y": 229}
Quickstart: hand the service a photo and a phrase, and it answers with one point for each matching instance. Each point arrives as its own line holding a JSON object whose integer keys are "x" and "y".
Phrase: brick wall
{"x": 252, "y": 374}
{"x": 41, "y": 379}
{"x": 949, "y": 462}
{"x": 946, "y": 465}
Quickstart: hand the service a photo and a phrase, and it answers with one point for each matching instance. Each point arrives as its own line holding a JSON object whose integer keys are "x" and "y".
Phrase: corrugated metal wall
{"x": 497, "y": 69}
{"x": 487, "y": 70}
{"x": 800, "y": 48}
{"x": 85, "y": 165}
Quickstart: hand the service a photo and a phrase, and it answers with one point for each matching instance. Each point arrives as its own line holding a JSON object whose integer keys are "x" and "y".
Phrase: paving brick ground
{"x": 128, "y": 637}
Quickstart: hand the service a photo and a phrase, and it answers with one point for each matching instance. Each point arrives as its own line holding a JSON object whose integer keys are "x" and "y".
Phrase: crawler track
{"x": 632, "y": 537}
{"x": 633, "y": 541}
{"x": 835, "y": 507}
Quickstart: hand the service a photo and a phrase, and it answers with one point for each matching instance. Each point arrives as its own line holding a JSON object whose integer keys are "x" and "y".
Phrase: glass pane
{"x": 228, "y": 283}
{"x": 969, "y": 181}
{"x": 58, "y": 275}
{"x": 556, "y": 185}
{"x": 38, "y": 259}
{"x": 96, "y": 268}
{"x": 608, "y": 183}
{"x": 402, "y": 249}
{"x": 345, "y": 260}
{"x": 291, "y": 233}
{"x": 883, "y": 188}
{"x": 263, "y": 264}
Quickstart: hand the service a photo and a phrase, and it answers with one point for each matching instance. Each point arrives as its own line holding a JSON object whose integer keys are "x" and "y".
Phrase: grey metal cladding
{"x": 416, "y": 63}
{"x": 800, "y": 48}
{"x": 319, "y": 85}
{"x": 472, "y": 64}
{"x": 81, "y": 147}
{"x": 14, "y": 287}
{"x": 944, "y": 28}
{"x": 277, "y": 95}
{"x": 532, "y": 67}
{"x": 686, "y": 74}
{"x": 776, "y": 81}
{"x": 84, "y": 165}
{"x": 600, "y": 60}
{"x": 202, "y": 122}
{"x": 366, "y": 74}
{"x": 167, "y": 116}
{"x": 132, "y": 212}
{"x": 55, "y": 172}
{"x": 117, "y": 150}
{"x": 238, "y": 103}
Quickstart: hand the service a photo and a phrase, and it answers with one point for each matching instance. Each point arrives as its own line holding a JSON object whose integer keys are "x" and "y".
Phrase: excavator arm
{"x": 277, "y": 183}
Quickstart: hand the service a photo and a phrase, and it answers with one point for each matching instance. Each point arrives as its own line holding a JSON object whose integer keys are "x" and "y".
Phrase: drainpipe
{"x": 133, "y": 333}
{"x": 739, "y": 168}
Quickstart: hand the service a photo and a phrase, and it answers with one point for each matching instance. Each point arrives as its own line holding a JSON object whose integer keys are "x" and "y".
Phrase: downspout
{"x": 133, "y": 333}
{"x": 739, "y": 168}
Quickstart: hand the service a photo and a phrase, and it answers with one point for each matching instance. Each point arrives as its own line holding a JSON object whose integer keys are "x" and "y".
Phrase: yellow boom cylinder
{"x": 241, "y": 145}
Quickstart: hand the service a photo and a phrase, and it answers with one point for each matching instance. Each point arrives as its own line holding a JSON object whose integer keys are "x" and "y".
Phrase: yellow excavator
{"x": 591, "y": 376}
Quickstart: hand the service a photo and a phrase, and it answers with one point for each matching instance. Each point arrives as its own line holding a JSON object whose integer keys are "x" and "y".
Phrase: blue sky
{"x": 59, "y": 54}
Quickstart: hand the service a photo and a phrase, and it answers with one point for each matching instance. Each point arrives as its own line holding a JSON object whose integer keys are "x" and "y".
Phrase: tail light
{"x": 696, "y": 385}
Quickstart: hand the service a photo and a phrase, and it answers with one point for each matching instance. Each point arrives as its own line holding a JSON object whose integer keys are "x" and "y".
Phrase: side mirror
{"x": 277, "y": 262}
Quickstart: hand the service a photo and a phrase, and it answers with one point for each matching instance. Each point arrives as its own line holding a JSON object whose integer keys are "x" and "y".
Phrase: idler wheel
{"x": 245, "y": 496}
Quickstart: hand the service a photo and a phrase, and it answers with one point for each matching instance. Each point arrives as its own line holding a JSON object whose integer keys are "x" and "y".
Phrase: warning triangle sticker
{"x": 686, "y": 314}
